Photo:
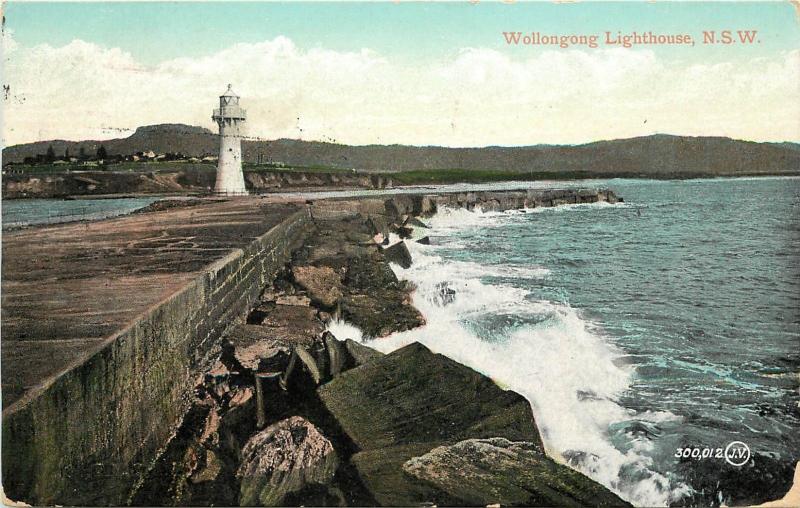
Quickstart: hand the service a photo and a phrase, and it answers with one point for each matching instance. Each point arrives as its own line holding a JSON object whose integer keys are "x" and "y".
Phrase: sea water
{"x": 671, "y": 321}
{"x": 28, "y": 212}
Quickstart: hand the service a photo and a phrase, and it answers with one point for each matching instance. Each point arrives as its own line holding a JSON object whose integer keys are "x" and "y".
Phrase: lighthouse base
{"x": 230, "y": 178}
{"x": 230, "y": 193}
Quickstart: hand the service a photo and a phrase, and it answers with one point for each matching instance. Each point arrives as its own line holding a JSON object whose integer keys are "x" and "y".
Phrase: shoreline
{"x": 279, "y": 370}
{"x": 306, "y": 373}
{"x": 326, "y": 182}
{"x": 279, "y": 344}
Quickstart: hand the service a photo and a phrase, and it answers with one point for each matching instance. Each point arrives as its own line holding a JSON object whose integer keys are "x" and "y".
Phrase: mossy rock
{"x": 480, "y": 472}
{"x": 406, "y": 403}
{"x": 415, "y": 396}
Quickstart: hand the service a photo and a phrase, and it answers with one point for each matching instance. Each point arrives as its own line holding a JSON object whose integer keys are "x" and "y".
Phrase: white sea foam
{"x": 343, "y": 330}
{"x": 560, "y": 362}
{"x": 577, "y": 206}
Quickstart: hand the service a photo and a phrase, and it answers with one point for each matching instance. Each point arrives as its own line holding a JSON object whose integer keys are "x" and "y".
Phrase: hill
{"x": 654, "y": 156}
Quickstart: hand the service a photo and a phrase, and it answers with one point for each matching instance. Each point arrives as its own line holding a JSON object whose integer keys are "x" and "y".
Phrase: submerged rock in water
{"x": 323, "y": 283}
{"x": 285, "y": 458}
{"x": 444, "y": 294}
{"x": 479, "y": 472}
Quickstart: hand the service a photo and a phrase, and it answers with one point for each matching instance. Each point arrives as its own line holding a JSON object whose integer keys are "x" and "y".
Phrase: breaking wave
{"x": 546, "y": 351}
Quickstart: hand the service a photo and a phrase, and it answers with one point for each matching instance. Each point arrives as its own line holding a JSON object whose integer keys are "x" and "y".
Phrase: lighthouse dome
{"x": 229, "y": 98}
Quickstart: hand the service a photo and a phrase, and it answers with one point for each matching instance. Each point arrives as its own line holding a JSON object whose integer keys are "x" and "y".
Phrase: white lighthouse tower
{"x": 229, "y": 116}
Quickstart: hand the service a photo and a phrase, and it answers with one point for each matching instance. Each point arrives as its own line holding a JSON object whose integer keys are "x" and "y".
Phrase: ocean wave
{"x": 562, "y": 363}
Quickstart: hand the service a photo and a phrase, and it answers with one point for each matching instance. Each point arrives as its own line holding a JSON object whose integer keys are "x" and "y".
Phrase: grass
{"x": 274, "y": 168}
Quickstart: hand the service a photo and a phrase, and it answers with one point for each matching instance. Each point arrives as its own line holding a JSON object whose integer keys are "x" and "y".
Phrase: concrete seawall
{"x": 87, "y": 436}
{"x": 85, "y": 429}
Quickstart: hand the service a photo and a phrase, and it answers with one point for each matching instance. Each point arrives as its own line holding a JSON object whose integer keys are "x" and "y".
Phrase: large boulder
{"x": 282, "y": 460}
{"x": 399, "y": 254}
{"x": 480, "y": 472}
{"x": 408, "y": 402}
{"x": 375, "y": 301}
{"x": 360, "y": 354}
{"x": 323, "y": 283}
{"x": 384, "y": 312}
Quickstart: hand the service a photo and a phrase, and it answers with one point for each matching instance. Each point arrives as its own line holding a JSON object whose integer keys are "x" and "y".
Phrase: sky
{"x": 400, "y": 72}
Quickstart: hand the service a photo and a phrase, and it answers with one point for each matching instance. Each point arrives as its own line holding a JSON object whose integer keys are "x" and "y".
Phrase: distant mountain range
{"x": 656, "y": 155}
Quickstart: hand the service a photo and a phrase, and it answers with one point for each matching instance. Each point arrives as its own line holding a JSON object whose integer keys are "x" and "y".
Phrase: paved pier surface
{"x": 67, "y": 288}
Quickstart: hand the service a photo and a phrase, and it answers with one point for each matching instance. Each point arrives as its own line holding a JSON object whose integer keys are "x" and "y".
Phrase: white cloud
{"x": 480, "y": 97}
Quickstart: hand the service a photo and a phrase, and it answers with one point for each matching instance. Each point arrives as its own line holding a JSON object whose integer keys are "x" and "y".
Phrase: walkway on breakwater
{"x": 67, "y": 288}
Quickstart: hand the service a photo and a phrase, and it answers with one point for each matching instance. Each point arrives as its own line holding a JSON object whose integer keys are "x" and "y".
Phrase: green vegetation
{"x": 49, "y": 168}
{"x": 277, "y": 168}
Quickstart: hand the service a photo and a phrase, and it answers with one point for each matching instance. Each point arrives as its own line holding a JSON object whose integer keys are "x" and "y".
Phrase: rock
{"x": 271, "y": 397}
{"x": 406, "y": 403}
{"x": 361, "y": 354}
{"x": 304, "y": 370}
{"x": 210, "y": 471}
{"x": 382, "y": 313}
{"x": 400, "y": 205}
{"x": 403, "y": 231}
{"x": 445, "y": 295}
{"x": 268, "y": 296}
{"x": 241, "y": 397}
{"x": 299, "y": 300}
{"x": 498, "y": 471}
{"x": 376, "y": 301}
{"x": 368, "y": 274}
{"x": 398, "y": 253}
{"x": 414, "y": 222}
{"x": 764, "y": 477}
{"x": 285, "y": 458}
{"x": 413, "y": 395}
{"x": 259, "y": 355}
{"x": 292, "y": 324}
{"x": 425, "y": 240}
{"x": 323, "y": 283}
{"x": 329, "y": 357}
{"x": 337, "y": 355}
{"x": 378, "y": 225}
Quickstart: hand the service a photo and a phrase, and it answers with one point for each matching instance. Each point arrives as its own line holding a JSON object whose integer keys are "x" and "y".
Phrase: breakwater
{"x": 91, "y": 428}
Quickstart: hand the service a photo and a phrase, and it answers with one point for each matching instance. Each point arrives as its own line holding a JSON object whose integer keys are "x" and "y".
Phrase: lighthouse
{"x": 230, "y": 117}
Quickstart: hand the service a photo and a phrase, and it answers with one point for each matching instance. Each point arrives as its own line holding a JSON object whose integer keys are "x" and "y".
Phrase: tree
{"x": 51, "y": 154}
{"x": 82, "y": 153}
{"x": 66, "y": 154}
{"x": 101, "y": 152}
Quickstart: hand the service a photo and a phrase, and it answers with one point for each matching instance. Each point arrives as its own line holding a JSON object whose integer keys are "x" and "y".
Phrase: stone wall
{"x": 398, "y": 205}
{"x": 88, "y": 438}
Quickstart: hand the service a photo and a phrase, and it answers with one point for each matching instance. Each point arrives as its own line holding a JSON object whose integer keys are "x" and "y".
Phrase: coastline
{"x": 286, "y": 366}
{"x": 180, "y": 184}
{"x": 276, "y": 362}
{"x": 309, "y": 371}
